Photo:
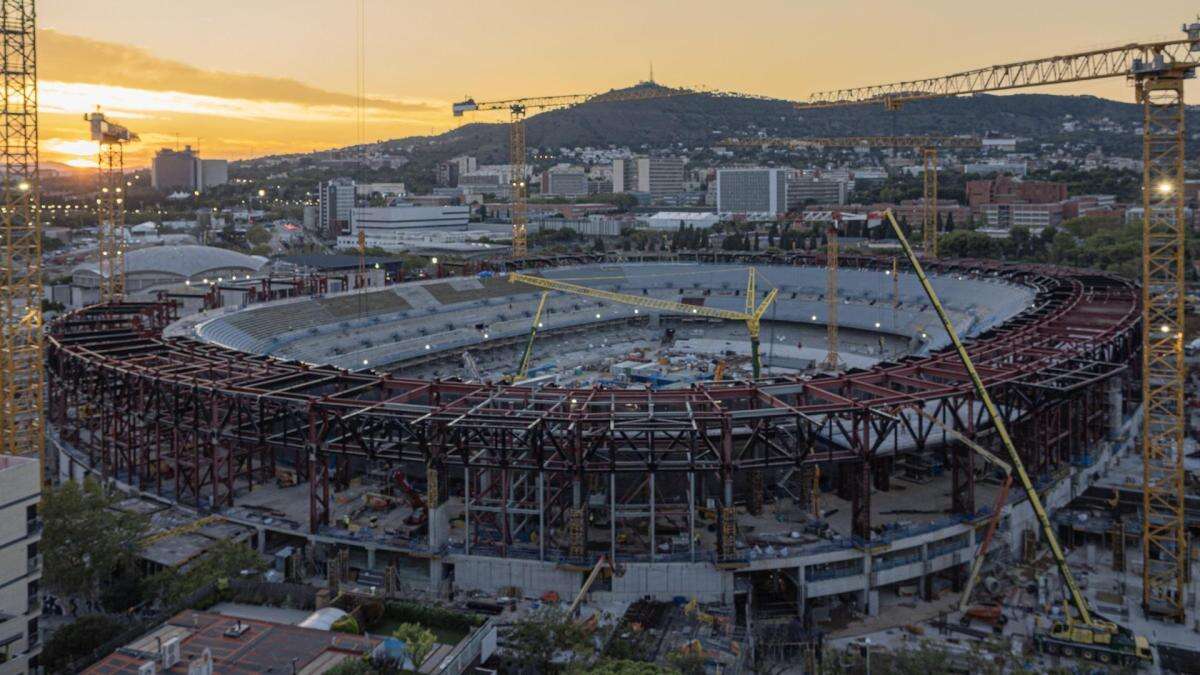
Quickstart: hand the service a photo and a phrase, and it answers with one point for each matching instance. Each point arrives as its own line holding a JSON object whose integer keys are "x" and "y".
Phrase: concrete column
{"x": 1115, "y": 405}
{"x": 872, "y": 602}
{"x": 262, "y": 539}
{"x": 371, "y": 557}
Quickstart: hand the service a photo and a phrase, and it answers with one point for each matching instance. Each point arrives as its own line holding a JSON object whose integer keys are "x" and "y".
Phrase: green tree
{"x": 625, "y": 667}
{"x": 688, "y": 661}
{"x": 418, "y": 642}
{"x": 86, "y": 542}
{"x": 257, "y": 235}
{"x": 225, "y": 560}
{"x": 540, "y": 637}
{"x": 78, "y": 639}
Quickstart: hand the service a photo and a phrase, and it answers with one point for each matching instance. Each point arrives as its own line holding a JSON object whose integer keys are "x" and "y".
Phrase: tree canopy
{"x": 86, "y": 542}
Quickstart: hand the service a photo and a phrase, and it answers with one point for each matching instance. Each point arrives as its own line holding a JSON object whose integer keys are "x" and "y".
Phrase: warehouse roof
{"x": 184, "y": 260}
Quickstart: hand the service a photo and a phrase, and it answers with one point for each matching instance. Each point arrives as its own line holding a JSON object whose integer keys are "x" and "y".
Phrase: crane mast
{"x": 111, "y": 139}
{"x": 1158, "y": 70}
{"x": 22, "y": 393}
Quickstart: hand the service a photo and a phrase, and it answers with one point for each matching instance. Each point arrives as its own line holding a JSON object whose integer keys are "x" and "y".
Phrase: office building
{"x": 1034, "y": 217}
{"x": 808, "y": 189}
{"x": 213, "y": 172}
{"x": 564, "y": 183}
{"x": 760, "y": 193}
{"x": 656, "y": 176}
{"x": 175, "y": 170}
{"x": 380, "y": 190}
{"x": 335, "y": 201}
{"x": 20, "y": 564}
{"x": 184, "y": 170}
{"x": 386, "y": 227}
{"x": 1009, "y": 190}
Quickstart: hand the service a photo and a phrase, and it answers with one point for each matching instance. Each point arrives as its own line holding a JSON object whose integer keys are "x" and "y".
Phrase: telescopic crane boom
{"x": 1094, "y": 632}
{"x": 1158, "y": 71}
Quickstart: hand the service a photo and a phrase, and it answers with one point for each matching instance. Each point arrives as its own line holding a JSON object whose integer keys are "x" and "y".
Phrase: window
{"x": 32, "y": 632}
{"x": 32, "y": 524}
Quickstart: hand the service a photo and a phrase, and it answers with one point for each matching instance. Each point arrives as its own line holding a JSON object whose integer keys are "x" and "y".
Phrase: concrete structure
{"x": 175, "y": 170}
{"x": 756, "y": 193}
{"x": 20, "y": 565}
{"x": 384, "y": 226}
{"x": 213, "y": 172}
{"x": 808, "y": 189}
{"x": 657, "y": 176}
{"x": 335, "y": 201}
{"x": 1009, "y": 190}
{"x": 384, "y": 190}
{"x": 1034, "y": 217}
{"x": 564, "y": 183}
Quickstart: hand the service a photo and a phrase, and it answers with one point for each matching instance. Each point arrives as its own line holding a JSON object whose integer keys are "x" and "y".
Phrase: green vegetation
{"x": 87, "y": 544}
{"x": 418, "y": 641}
{"x": 79, "y": 639}
{"x": 224, "y": 561}
{"x": 346, "y": 624}
{"x": 548, "y": 640}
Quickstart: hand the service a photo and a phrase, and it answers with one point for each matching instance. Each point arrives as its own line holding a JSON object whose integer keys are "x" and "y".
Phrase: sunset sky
{"x": 243, "y": 78}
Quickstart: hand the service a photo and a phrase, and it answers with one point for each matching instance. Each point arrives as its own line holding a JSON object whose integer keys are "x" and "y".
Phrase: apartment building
{"x": 752, "y": 192}
{"x": 20, "y": 565}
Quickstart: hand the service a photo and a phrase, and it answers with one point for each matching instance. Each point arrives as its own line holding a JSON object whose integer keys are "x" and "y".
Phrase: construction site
{"x": 751, "y": 454}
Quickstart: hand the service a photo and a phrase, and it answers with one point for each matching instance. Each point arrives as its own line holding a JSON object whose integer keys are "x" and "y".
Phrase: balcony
{"x": 34, "y": 564}
{"x": 33, "y": 527}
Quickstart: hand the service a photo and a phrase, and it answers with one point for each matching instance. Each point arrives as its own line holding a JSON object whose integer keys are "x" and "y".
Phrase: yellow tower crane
{"x": 22, "y": 393}
{"x": 752, "y": 319}
{"x": 928, "y": 145}
{"x": 517, "y": 109}
{"x": 111, "y": 139}
{"x": 1158, "y": 70}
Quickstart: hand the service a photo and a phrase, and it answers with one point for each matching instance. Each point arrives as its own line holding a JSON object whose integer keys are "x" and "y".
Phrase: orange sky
{"x": 252, "y": 77}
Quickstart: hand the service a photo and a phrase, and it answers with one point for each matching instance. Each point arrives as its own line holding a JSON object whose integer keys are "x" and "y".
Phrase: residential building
{"x": 1006, "y": 189}
{"x": 335, "y": 202}
{"x": 660, "y": 176}
{"x": 564, "y": 183}
{"x": 809, "y": 189}
{"x": 1034, "y": 217}
{"x": 657, "y": 176}
{"x": 184, "y": 170}
{"x": 20, "y": 564}
{"x": 213, "y": 172}
{"x": 175, "y": 170}
{"x": 752, "y": 192}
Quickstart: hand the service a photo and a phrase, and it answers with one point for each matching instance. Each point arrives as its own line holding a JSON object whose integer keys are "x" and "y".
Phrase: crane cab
{"x": 464, "y": 106}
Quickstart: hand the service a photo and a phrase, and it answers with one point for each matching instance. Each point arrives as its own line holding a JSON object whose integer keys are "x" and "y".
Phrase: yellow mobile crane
{"x": 1088, "y": 635}
{"x": 1158, "y": 71}
{"x": 752, "y": 319}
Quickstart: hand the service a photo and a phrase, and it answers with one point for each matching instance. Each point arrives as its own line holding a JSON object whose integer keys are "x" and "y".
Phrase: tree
{"x": 86, "y": 542}
{"x": 966, "y": 244}
{"x": 547, "y": 638}
{"x": 688, "y": 661}
{"x": 626, "y": 667}
{"x": 418, "y": 642}
{"x": 257, "y": 235}
{"x": 79, "y": 639}
{"x": 225, "y": 560}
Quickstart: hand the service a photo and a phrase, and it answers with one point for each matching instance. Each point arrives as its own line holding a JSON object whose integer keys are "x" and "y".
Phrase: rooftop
{"x": 263, "y": 647}
{"x": 184, "y": 260}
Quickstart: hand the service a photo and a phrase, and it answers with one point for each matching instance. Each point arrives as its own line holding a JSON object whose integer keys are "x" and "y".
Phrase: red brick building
{"x": 1008, "y": 190}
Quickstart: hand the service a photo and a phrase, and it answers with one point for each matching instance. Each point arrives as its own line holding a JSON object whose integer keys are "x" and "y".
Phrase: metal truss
{"x": 560, "y": 474}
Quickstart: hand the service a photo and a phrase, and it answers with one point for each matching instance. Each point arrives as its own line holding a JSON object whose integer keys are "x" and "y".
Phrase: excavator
{"x": 1084, "y": 634}
{"x": 420, "y": 513}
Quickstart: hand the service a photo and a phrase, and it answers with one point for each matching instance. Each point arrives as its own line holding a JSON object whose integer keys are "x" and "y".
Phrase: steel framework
{"x": 1164, "y": 532}
{"x": 1158, "y": 69}
{"x": 22, "y": 429}
{"x": 200, "y": 424}
{"x": 110, "y": 235}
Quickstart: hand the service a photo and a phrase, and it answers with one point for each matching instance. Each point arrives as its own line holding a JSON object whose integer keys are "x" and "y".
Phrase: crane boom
{"x": 859, "y": 141}
{"x": 1060, "y": 559}
{"x": 752, "y": 319}
{"x": 1119, "y": 61}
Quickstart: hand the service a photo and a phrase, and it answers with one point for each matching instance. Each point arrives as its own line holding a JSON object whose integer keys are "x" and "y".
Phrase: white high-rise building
{"x": 334, "y": 204}
{"x": 20, "y": 564}
{"x": 758, "y": 193}
{"x": 656, "y": 176}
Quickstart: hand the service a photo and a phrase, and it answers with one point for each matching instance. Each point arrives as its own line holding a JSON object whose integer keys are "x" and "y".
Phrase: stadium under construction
{"x": 354, "y": 421}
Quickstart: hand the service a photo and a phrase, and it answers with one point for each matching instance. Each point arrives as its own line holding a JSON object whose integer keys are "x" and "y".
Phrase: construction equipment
{"x": 22, "y": 388}
{"x": 752, "y": 320}
{"x": 527, "y": 356}
{"x": 472, "y": 367}
{"x": 719, "y": 371}
{"x": 997, "y": 510}
{"x": 587, "y": 584}
{"x": 111, "y": 139}
{"x": 517, "y": 109}
{"x": 1088, "y": 635}
{"x": 1158, "y": 70}
{"x": 420, "y": 511}
{"x": 186, "y": 528}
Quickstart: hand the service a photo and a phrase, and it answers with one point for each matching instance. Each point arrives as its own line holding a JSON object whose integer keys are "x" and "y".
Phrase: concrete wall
{"x": 476, "y": 573}
{"x": 665, "y": 581}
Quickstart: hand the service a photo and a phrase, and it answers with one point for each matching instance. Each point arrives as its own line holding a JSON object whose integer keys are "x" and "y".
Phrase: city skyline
{"x": 274, "y": 82}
